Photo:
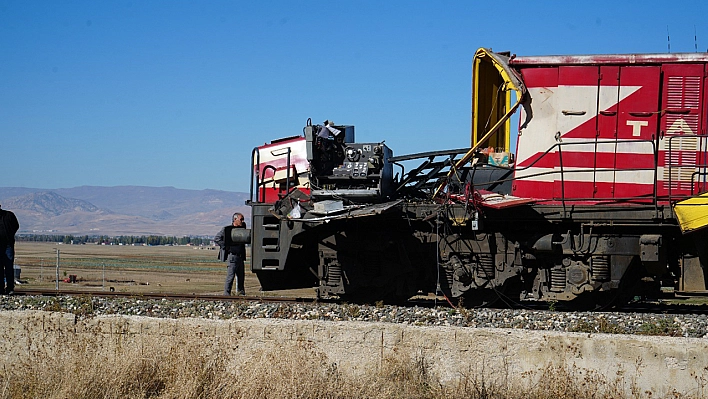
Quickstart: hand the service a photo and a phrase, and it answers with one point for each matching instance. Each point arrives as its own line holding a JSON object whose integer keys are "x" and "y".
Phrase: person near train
{"x": 234, "y": 254}
{"x": 8, "y": 228}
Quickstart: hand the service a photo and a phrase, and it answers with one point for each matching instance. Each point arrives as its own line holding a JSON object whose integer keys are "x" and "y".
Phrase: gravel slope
{"x": 694, "y": 325}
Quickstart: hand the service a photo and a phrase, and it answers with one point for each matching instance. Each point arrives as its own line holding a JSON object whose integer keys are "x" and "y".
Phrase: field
{"x": 147, "y": 269}
{"x": 133, "y": 269}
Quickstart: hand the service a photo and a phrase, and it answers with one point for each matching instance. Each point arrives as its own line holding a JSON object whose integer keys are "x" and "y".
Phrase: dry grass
{"x": 191, "y": 368}
{"x": 187, "y": 367}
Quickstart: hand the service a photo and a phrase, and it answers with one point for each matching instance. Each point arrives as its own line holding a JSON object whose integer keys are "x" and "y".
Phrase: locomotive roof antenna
{"x": 695, "y": 39}
{"x": 668, "y": 38}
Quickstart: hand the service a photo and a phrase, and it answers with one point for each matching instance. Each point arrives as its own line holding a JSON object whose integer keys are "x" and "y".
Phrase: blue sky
{"x": 177, "y": 93}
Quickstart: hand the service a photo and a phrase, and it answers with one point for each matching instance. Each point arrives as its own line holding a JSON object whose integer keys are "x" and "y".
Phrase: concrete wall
{"x": 637, "y": 363}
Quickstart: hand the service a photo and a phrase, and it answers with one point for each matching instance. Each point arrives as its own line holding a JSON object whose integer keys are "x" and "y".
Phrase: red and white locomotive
{"x": 601, "y": 199}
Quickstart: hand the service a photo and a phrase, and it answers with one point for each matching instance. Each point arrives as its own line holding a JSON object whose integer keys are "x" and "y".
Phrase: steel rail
{"x": 642, "y": 307}
{"x": 153, "y": 295}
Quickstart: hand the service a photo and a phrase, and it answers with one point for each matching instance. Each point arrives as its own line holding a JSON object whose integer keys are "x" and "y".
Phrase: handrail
{"x": 562, "y": 171}
{"x": 562, "y": 176}
{"x": 700, "y": 149}
{"x": 287, "y": 175}
{"x": 558, "y": 148}
{"x": 267, "y": 167}
{"x": 255, "y": 155}
{"x": 257, "y": 173}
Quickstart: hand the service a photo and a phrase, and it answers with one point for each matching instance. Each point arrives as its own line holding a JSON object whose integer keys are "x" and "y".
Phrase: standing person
{"x": 234, "y": 254}
{"x": 8, "y": 227}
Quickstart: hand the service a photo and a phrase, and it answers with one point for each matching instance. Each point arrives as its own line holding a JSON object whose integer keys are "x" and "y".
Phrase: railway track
{"x": 646, "y": 307}
{"x": 638, "y": 318}
{"x": 426, "y": 303}
{"x": 201, "y": 297}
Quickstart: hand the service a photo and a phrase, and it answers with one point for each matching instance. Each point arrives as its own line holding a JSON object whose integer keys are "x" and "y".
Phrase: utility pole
{"x": 57, "y": 276}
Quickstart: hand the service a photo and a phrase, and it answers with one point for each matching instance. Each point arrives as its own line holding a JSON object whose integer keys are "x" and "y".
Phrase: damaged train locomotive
{"x": 600, "y": 200}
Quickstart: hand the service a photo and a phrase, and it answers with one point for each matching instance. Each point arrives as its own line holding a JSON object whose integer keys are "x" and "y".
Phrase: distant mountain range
{"x": 122, "y": 210}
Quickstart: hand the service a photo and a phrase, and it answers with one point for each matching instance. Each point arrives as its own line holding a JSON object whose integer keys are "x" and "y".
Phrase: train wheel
{"x": 633, "y": 284}
{"x": 371, "y": 296}
{"x": 394, "y": 291}
{"x": 504, "y": 296}
{"x": 594, "y": 301}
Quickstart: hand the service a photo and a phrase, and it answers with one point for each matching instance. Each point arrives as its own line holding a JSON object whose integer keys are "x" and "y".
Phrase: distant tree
{"x": 125, "y": 240}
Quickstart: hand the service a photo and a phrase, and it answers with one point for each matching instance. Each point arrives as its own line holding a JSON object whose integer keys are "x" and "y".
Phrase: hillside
{"x": 122, "y": 210}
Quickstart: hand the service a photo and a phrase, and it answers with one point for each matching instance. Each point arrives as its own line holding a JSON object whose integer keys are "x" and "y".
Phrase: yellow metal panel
{"x": 493, "y": 84}
{"x": 692, "y": 213}
{"x": 493, "y": 81}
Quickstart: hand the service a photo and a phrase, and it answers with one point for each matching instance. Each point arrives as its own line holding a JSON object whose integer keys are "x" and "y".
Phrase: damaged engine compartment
{"x": 359, "y": 231}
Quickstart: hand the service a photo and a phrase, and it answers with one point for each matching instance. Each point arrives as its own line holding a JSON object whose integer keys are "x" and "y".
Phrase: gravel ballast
{"x": 686, "y": 325}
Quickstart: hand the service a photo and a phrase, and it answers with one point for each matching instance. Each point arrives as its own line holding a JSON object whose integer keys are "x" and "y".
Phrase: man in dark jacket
{"x": 234, "y": 254}
{"x": 8, "y": 227}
